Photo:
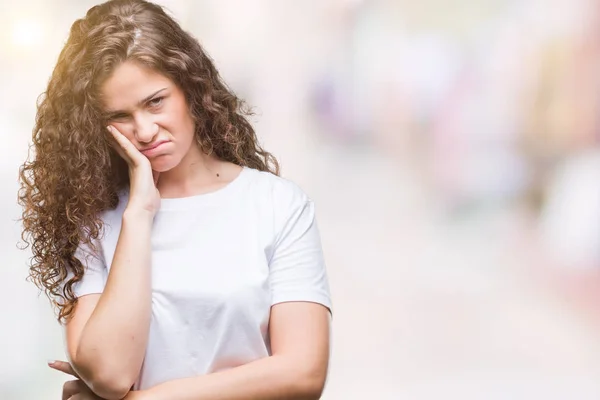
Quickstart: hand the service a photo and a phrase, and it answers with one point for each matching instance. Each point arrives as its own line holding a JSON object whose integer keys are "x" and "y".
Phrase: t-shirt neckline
{"x": 217, "y": 196}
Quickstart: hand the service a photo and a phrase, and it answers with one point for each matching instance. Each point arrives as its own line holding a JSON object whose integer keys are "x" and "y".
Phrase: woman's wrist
{"x": 137, "y": 214}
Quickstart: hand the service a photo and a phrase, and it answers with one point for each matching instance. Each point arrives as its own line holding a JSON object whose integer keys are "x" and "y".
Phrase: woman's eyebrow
{"x": 148, "y": 98}
{"x": 141, "y": 102}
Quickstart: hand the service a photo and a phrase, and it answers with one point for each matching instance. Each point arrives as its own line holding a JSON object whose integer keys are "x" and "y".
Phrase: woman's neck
{"x": 197, "y": 173}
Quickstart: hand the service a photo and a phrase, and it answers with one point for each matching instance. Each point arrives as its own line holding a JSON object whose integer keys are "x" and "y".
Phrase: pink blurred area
{"x": 453, "y": 151}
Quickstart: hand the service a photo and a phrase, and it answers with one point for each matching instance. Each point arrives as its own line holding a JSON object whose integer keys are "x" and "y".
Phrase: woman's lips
{"x": 154, "y": 149}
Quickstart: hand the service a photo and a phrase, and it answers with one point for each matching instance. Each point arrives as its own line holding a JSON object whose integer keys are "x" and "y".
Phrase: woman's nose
{"x": 145, "y": 131}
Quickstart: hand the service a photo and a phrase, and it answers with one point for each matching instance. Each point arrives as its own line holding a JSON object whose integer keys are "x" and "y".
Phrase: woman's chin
{"x": 163, "y": 164}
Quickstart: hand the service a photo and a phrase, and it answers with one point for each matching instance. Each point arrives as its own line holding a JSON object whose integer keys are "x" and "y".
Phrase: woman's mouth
{"x": 154, "y": 148}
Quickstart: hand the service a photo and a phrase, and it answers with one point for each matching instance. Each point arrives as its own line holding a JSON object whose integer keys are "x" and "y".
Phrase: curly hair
{"x": 74, "y": 173}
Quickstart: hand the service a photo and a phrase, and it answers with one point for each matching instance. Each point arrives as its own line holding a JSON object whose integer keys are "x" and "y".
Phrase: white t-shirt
{"x": 219, "y": 262}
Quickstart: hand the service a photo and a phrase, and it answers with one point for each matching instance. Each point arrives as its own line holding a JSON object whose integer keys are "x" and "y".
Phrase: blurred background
{"x": 453, "y": 150}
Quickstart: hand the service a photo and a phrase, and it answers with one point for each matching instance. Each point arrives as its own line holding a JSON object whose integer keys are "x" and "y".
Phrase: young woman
{"x": 180, "y": 263}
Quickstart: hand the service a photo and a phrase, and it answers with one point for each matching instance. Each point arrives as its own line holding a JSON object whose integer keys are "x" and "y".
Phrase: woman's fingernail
{"x": 51, "y": 362}
{"x": 109, "y": 128}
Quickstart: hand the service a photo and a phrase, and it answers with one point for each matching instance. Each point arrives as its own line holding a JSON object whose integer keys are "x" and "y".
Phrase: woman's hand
{"x": 78, "y": 390}
{"x": 143, "y": 194}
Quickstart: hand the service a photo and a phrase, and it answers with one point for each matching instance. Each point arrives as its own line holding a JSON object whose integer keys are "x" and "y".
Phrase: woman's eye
{"x": 118, "y": 117}
{"x": 156, "y": 102}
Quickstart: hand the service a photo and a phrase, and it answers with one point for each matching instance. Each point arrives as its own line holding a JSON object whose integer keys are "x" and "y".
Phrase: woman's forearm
{"x": 270, "y": 378}
{"x": 113, "y": 342}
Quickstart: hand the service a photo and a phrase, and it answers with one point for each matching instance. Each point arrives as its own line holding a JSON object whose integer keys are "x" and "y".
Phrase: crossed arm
{"x": 296, "y": 370}
{"x": 106, "y": 342}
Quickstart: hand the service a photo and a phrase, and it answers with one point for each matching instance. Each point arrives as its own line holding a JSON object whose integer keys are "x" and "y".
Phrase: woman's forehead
{"x": 129, "y": 84}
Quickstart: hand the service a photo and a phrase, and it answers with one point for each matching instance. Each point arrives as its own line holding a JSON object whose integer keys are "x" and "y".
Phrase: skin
{"x": 146, "y": 108}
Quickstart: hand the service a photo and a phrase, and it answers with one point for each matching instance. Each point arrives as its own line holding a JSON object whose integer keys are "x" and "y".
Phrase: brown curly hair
{"x": 74, "y": 173}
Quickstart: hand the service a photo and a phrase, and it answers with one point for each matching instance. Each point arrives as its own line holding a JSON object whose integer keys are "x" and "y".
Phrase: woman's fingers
{"x": 63, "y": 366}
{"x": 72, "y": 388}
{"x": 125, "y": 148}
{"x": 114, "y": 141}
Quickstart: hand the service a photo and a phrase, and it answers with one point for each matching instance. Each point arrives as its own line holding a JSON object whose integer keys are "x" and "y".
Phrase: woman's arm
{"x": 297, "y": 369}
{"x": 107, "y": 336}
{"x": 107, "y": 341}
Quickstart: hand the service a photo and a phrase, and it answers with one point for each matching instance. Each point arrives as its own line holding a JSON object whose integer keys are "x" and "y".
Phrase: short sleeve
{"x": 95, "y": 271}
{"x": 297, "y": 266}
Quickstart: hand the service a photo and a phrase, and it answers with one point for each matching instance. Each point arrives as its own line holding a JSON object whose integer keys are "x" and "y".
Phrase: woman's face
{"x": 151, "y": 111}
